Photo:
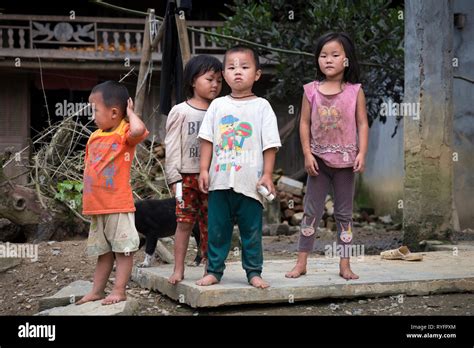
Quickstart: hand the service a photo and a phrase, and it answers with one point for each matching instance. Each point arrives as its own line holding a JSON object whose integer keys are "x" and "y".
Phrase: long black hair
{"x": 197, "y": 66}
{"x": 351, "y": 73}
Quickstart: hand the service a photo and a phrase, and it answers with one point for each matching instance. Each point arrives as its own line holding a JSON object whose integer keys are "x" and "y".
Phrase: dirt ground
{"x": 60, "y": 263}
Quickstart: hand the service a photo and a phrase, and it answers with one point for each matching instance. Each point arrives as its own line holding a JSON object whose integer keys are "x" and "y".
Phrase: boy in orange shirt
{"x": 107, "y": 194}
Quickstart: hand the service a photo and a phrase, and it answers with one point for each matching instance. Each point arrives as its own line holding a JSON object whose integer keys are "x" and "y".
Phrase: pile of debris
{"x": 290, "y": 193}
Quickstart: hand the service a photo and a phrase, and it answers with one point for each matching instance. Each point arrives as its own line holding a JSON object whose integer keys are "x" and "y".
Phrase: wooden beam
{"x": 144, "y": 64}
{"x": 183, "y": 38}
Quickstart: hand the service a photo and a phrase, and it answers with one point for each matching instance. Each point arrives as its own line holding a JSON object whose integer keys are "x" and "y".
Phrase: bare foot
{"x": 297, "y": 271}
{"x": 258, "y": 282}
{"x": 207, "y": 280}
{"x": 346, "y": 272}
{"x": 176, "y": 277}
{"x": 114, "y": 297}
{"x": 91, "y": 296}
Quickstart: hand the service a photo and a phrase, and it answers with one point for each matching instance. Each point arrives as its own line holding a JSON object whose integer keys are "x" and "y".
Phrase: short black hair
{"x": 197, "y": 66}
{"x": 242, "y": 48}
{"x": 351, "y": 73}
{"x": 114, "y": 94}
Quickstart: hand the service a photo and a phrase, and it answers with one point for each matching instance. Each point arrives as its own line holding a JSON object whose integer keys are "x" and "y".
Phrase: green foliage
{"x": 70, "y": 192}
{"x": 375, "y": 26}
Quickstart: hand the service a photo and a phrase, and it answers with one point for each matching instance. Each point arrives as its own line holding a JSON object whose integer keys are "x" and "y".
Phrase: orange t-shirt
{"x": 108, "y": 160}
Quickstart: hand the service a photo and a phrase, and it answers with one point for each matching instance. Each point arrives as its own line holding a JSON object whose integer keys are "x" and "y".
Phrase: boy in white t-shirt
{"x": 239, "y": 140}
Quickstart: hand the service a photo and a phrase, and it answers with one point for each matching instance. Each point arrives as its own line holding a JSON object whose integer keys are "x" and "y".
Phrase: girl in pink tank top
{"x": 334, "y": 137}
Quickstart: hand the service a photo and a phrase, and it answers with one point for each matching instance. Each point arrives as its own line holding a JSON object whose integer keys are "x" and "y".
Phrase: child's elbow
{"x": 138, "y": 131}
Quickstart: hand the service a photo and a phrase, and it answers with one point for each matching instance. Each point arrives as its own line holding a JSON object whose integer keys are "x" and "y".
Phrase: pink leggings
{"x": 342, "y": 181}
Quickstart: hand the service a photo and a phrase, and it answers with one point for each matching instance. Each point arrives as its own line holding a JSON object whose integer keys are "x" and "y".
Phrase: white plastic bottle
{"x": 179, "y": 191}
{"x": 265, "y": 193}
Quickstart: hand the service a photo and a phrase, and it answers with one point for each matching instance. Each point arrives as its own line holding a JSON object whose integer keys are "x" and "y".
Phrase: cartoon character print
{"x": 227, "y": 131}
{"x": 330, "y": 117}
{"x": 307, "y": 229}
{"x": 346, "y": 235}
{"x": 233, "y": 135}
{"x": 230, "y": 130}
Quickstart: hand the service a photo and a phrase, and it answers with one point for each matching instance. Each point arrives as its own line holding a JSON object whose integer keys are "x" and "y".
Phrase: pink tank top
{"x": 333, "y": 124}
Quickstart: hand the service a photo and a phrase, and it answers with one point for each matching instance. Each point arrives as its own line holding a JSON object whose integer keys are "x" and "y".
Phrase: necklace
{"x": 245, "y": 96}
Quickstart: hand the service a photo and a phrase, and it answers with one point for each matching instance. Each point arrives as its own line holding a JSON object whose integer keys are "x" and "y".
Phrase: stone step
{"x": 439, "y": 272}
{"x": 128, "y": 307}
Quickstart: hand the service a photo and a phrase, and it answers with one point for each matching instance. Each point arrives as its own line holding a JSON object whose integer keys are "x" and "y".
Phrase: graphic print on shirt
{"x": 231, "y": 142}
{"x": 330, "y": 117}
{"x": 101, "y": 165}
{"x": 193, "y": 128}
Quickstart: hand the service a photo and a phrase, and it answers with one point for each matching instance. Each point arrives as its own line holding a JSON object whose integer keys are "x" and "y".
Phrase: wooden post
{"x": 144, "y": 64}
{"x": 147, "y": 47}
{"x": 183, "y": 37}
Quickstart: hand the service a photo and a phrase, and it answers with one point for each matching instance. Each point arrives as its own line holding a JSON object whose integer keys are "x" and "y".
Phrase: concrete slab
{"x": 439, "y": 272}
{"x": 67, "y": 295}
{"x": 8, "y": 262}
{"x": 129, "y": 307}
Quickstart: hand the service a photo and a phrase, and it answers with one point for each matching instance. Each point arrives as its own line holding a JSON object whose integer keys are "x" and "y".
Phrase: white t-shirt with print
{"x": 240, "y": 131}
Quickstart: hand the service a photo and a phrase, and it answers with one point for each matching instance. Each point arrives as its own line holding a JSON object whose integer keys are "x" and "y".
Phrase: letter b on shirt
{"x": 193, "y": 127}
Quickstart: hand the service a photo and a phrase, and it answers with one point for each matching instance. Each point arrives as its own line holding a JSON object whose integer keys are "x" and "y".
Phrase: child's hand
{"x": 266, "y": 180}
{"x": 311, "y": 165}
{"x": 359, "y": 164}
{"x": 130, "y": 107}
{"x": 204, "y": 181}
{"x": 173, "y": 189}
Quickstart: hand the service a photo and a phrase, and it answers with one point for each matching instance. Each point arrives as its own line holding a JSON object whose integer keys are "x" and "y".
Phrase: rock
{"x": 276, "y": 229}
{"x": 55, "y": 252}
{"x": 369, "y": 211}
{"x": 294, "y": 230}
{"x": 348, "y": 312}
{"x": 298, "y": 200}
{"x": 373, "y": 217}
{"x": 397, "y": 227}
{"x": 329, "y": 207}
{"x": 362, "y": 301}
{"x": 288, "y": 213}
{"x": 387, "y": 219}
{"x": 51, "y": 242}
{"x": 331, "y": 225}
{"x": 9, "y": 232}
{"x": 297, "y": 218}
{"x": 71, "y": 293}
{"x": 325, "y": 233}
{"x": 333, "y": 306}
{"x": 357, "y": 311}
{"x": 128, "y": 307}
{"x": 289, "y": 185}
{"x": 235, "y": 242}
{"x": 299, "y": 208}
{"x": 8, "y": 262}
{"x": 272, "y": 211}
